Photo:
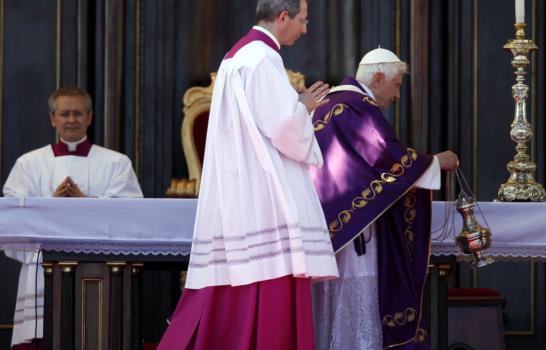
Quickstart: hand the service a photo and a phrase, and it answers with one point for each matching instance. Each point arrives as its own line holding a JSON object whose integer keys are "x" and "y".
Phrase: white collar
{"x": 367, "y": 89}
{"x": 73, "y": 145}
{"x": 263, "y": 30}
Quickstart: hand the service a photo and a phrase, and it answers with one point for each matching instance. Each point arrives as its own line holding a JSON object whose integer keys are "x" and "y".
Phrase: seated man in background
{"x": 73, "y": 167}
{"x": 373, "y": 192}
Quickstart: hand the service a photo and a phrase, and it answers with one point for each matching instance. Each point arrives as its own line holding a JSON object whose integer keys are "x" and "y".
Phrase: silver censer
{"x": 474, "y": 238}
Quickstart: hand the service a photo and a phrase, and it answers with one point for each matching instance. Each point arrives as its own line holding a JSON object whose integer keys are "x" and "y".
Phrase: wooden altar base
{"x": 94, "y": 301}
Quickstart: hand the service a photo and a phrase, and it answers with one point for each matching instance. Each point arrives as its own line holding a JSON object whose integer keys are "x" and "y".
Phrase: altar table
{"x": 95, "y": 249}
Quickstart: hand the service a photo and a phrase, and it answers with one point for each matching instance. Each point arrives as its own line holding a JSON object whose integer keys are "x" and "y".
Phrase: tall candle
{"x": 520, "y": 11}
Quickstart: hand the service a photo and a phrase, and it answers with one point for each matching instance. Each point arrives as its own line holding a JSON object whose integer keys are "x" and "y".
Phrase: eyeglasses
{"x": 65, "y": 114}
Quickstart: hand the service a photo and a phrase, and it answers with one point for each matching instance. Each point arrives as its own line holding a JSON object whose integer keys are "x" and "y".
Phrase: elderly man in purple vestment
{"x": 376, "y": 197}
{"x": 260, "y": 234}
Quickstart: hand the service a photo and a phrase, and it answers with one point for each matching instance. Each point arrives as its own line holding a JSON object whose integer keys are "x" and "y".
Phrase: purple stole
{"x": 82, "y": 149}
{"x": 368, "y": 177}
{"x": 253, "y": 35}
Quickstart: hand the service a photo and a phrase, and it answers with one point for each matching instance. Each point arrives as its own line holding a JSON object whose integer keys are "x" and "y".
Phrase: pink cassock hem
{"x": 267, "y": 315}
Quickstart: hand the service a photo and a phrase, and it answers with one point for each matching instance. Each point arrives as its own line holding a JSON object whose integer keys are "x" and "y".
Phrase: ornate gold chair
{"x": 194, "y": 131}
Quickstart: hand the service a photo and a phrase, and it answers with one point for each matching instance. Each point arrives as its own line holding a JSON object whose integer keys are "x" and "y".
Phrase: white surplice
{"x": 346, "y": 311}
{"x": 258, "y": 215}
{"x": 103, "y": 173}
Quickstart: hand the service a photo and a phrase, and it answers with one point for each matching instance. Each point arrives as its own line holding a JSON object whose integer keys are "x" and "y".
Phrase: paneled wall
{"x": 137, "y": 57}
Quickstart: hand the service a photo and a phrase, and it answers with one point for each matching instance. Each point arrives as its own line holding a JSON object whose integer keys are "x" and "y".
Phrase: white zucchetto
{"x": 379, "y": 55}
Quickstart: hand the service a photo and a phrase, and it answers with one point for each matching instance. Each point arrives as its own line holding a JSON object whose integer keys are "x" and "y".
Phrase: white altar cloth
{"x": 98, "y": 225}
{"x": 518, "y": 230}
{"x": 165, "y": 226}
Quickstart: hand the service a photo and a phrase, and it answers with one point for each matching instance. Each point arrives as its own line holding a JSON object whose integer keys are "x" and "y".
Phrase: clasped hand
{"x": 68, "y": 188}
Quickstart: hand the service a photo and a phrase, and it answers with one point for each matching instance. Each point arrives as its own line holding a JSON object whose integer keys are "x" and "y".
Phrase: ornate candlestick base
{"x": 521, "y": 185}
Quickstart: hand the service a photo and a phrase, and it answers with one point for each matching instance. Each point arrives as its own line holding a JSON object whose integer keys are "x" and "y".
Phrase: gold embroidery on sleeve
{"x": 375, "y": 188}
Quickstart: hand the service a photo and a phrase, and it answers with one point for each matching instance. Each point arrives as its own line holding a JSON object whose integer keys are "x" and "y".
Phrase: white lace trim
{"x": 498, "y": 250}
{"x": 346, "y": 313}
{"x": 97, "y": 246}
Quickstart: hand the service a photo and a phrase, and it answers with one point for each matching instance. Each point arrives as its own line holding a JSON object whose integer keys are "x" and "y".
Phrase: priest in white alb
{"x": 260, "y": 236}
{"x": 73, "y": 167}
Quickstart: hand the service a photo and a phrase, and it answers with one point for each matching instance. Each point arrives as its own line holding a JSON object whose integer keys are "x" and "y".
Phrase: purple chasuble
{"x": 82, "y": 149}
{"x": 253, "y": 35}
{"x": 367, "y": 177}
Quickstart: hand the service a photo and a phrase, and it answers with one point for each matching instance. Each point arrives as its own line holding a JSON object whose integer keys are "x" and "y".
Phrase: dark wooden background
{"x": 137, "y": 57}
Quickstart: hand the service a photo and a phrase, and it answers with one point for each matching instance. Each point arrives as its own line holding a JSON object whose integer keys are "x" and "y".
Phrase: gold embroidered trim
{"x": 400, "y": 318}
{"x": 403, "y": 318}
{"x": 420, "y": 336}
{"x": 419, "y": 332}
{"x": 409, "y": 217}
{"x": 370, "y": 100}
{"x": 375, "y": 188}
{"x": 334, "y": 112}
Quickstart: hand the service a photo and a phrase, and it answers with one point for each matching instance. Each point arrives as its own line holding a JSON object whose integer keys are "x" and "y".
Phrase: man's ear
{"x": 51, "y": 116}
{"x": 283, "y": 17}
{"x": 378, "y": 77}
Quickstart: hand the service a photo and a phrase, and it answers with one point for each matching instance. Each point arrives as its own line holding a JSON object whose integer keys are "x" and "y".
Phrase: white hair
{"x": 365, "y": 72}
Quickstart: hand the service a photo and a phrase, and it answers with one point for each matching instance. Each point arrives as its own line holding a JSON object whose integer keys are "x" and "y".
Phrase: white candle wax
{"x": 520, "y": 11}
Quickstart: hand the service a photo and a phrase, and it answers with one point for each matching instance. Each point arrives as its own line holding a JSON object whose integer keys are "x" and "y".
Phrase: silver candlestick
{"x": 521, "y": 185}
